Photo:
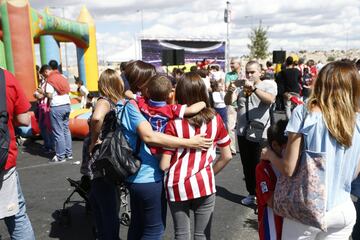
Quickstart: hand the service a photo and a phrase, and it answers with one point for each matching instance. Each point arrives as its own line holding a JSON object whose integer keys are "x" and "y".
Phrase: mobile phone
{"x": 239, "y": 82}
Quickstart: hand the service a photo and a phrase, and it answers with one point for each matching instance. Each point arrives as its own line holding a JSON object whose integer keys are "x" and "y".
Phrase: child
{"x": 83, "y": 92}
{"x": 157, "y": 108}
{"x": 270, "y": 224}
{"x": 190, "y": 178}
{"x": 90, "y": 101}
{"x": 218, "y": 95}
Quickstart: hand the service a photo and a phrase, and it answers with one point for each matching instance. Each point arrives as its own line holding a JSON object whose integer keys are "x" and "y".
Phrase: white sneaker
{"x": 249, "y": 200}
{"x": 70, "y": 157}
{"x": 55, "y": 159}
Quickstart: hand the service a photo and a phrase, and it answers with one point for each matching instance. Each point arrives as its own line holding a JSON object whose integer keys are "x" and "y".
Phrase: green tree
{"x": 259, "y": 43}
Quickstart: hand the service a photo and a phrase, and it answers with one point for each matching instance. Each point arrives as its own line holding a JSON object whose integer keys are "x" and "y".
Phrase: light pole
{"x": 227, "y": 20}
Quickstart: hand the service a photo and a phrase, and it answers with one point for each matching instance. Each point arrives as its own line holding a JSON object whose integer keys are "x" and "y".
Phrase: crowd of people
{"x": 176, "y": 124}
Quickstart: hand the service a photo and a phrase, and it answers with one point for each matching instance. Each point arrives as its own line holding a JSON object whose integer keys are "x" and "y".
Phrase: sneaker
{"x": 69, "y": 157}
{"x": 55, "y": 159}
{"x": 249, "y": 200}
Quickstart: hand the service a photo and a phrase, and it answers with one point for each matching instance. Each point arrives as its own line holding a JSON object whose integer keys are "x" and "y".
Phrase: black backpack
{"x": 114, "y": 157}
{"x": 4, "y": 119}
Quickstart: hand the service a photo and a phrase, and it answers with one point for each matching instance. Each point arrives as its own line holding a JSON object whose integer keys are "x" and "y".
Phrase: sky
{"x": 292, "y": 25}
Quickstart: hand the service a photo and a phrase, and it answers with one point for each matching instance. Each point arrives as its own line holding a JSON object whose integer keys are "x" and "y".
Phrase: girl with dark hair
{"x": 190, "y": 180}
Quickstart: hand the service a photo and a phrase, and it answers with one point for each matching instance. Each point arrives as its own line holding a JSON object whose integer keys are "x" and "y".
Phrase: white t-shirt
{"x": 57, "y": 100}
{"x": 218, "y": 98}
{"x": 83, "y": 92}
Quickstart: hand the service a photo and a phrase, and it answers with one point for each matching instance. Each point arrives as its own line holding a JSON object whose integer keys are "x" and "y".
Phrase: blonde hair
{"x": 337, "y": 93}
{"x": 111, "y": 85}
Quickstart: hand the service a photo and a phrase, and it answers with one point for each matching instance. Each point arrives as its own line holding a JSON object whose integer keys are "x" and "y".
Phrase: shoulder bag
{"x": 302, "y": 197}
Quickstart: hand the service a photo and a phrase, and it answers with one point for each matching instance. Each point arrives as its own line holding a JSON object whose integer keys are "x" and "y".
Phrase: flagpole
{"x": 227, "y": 20}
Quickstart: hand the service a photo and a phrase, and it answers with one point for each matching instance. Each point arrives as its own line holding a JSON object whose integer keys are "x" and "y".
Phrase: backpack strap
{"x": 112, "y": 104}
{"x": 2, "y": 91}
{"x": 138, "y": 140}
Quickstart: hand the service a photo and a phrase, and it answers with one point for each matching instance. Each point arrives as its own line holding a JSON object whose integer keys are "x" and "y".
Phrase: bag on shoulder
{"x": 254, "y": 131}
{"x": 302, "y": 197}
{"x": 115, "y": 158}
{"x": 4, "y": 119}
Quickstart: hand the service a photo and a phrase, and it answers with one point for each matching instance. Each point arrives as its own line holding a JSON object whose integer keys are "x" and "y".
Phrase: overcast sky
{"x": 292, "y": 25}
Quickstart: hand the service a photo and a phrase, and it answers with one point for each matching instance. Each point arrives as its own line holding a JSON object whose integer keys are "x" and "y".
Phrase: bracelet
{"x": 254, "y": 90}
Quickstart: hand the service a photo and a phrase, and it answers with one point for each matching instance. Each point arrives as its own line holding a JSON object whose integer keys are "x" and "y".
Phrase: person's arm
{"x": 265, "y": 97}
{"x": 129, "y": 94}
{"x": 165, "y": 162}
{"x": 231, "y": 95}
{"x": 156, "y": 139}
{"x": 49, "y": 90}
{"x": 22, "y": 119}
{"x": 288, "y": 163}
{"x": 223, "y": 160}
{"x": 194, "y": 109}
{"x": 102, "y": 107}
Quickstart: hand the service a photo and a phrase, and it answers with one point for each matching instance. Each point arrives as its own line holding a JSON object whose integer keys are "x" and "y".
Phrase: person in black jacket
{"x": 288, "y": 81}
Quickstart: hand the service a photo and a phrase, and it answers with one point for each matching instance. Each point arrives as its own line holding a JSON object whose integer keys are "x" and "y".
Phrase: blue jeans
{"x": 60, "y": 129}
{"x": 148, "y": 211}
{"x": 104, "y": 200}
{"x": 19, "y": 225}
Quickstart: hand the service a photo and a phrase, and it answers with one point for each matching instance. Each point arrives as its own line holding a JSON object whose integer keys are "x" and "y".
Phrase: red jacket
{"x": 58, "y": 82}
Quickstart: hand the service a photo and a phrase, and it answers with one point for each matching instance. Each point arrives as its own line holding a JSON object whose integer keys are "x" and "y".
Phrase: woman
{"x": 332, "y": 125}
{"x": 147, "y": 196}
{"x": 103, "y": 193}
{"x": 190, "y": 181}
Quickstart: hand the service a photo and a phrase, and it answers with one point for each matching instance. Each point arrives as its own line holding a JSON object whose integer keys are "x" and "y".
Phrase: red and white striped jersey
{"x": 191, "y": 173}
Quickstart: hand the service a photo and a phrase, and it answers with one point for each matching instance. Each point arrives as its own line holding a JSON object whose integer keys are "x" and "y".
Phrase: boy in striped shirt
{"x": 270, "y": 224}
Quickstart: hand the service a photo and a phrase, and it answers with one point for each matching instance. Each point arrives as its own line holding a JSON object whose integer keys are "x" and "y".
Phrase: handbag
{"x": 302, "y": 197}
{"x": 114, "y": 157}
{"x": 254, "y": 129}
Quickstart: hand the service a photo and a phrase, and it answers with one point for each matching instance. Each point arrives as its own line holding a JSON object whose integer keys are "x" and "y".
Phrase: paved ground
{"x": 45, "y": 188}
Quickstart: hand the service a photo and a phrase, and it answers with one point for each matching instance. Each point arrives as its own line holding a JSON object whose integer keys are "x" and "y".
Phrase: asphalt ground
{"x": 45, "y": 188}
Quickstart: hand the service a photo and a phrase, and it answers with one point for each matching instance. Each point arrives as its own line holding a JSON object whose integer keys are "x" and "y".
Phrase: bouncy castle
{"x": 22, "y": 26}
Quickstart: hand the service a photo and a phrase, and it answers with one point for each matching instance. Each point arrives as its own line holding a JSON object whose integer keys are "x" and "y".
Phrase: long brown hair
{"x": 111, "y": 85}
{"x": 337, "y": 93}
{"x": 191, "y": 89}
{"x": 138, "y": 73}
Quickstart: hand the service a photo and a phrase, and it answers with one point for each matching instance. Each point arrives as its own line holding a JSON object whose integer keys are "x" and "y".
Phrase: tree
{"x": 259, "y": 43}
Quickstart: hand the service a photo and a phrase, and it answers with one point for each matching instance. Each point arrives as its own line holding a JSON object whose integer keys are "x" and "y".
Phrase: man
{"x": 12, "y": 202}
{"x": 235, "y": 74}
{"x": 289, "y": 81}
{"x": 57, "y": 90}
{"x": 255, "y": 97}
